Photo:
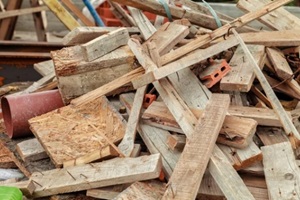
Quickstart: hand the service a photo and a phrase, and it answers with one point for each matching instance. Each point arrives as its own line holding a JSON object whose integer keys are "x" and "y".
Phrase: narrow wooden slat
{"x": 40, "y": 21}
{"x": 24, "y": 11}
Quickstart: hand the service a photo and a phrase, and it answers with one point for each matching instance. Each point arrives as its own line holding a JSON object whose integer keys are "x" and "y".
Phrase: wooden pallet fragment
{"x": 86, "y": 129}
{"x": 107, "y": 173}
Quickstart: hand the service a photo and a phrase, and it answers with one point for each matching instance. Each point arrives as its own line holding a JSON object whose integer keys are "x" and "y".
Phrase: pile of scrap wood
{"x": 214, "y": 114}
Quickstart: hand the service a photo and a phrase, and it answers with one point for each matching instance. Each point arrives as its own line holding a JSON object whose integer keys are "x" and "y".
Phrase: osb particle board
{"x": 69, "y": 132}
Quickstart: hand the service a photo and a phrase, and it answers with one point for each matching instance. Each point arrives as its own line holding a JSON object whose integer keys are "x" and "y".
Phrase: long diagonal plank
{"x": 193, "y": 161}
{"x": 107, "y": 173}
{"x": 287, "y": 123}
{"x": 281, "y": 171}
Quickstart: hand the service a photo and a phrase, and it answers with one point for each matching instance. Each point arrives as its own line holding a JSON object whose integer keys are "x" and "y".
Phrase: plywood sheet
{"x": 74, "y": 131}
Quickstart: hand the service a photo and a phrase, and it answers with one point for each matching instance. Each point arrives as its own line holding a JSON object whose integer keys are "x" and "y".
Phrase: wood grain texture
{"x": 31, "y": 150}
{"x": 187, "y": 175}
{"x": 68, "y": 135}
{"x": 107, "y": 173}
{"x": 281, "y": 171}
{"x": 241, "y": 75}
{"x": 104, "y": 44}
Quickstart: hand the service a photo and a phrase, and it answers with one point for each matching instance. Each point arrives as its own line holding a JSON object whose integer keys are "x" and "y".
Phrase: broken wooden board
{"x": 44, "y": 68}
{"x": 241, "y": 76}
{"x": 107, "y": 43}
{"x": 76, "y": 131}
{"x": 281, "y": 171}
{"x": 197, "y": 151}
{"x": 62, "y": 14}
{"x": 31, "y": 150}
{"x": 150, "y": 190}
{"x": 107, "y": 173}
{"x": 280, "y": 64}
{"x": 108, "y": 193}
{"x": 77, "y": 77}
{"x": 236, "y": 131}
{"x": 242, "y": 158}
{"x": 81, "y": 35}
{"x": 8, "y": 160}
{"x": 279, "y": 19}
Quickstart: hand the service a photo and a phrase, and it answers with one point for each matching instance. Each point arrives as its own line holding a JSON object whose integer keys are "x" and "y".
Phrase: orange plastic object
{"x": 148, "y": 99}
{"x": 213, "y": 74}
{"x": 162, "y": 176}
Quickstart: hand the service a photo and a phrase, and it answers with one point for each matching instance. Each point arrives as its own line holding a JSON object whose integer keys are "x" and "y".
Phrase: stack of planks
{"x": 237, "y": 139}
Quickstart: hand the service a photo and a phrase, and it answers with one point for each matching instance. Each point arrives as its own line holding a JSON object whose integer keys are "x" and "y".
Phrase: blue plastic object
{"x": 94, "y": 13}
{"x": 167, "y": 9}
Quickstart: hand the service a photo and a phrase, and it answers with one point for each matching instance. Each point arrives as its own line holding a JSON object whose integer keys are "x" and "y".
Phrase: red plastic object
{"x": 18, "y": 109}
{"x": 148, "y": 99}
{"x": 213, "y": 74}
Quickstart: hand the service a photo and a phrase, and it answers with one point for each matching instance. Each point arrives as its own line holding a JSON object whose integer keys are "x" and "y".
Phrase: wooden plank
{"x": 26, "y": 187}
{"x": 242, "y": 158}
{"x": 279, "y": 19}
{"x": 280, "y": 64}
{"x": 270, "y": 136}
{"x": 62, "y": 14}
{"x": 81, "y": 35}
{"x": 108, "y": 43}
{"x": 40, "y": 21}
{"x": 7, "y": 26}
{"x": 106, "y": 192}
{"x": 176, "y": 141}
{"x": 103, "y": 90}
{"x": 186, "y": 178}
{"x": 241, "y": 76}
{"x": 114, "y": 171}
{"x": 23, "y": 11}
{"x": 78, "y": 13}
{"x": 31, "y": 150}
{"x": 150, "y": 190}
{"x": 283, "y": 116}
{"x": 127, "y": 143}
{"x": 44, "y": 68}
{"x": 272, "y": 38}
{"x": 70, "y": 134}
{"x": 37, "y": 84}
{"x": 221, "y": 171}
{"x": 281, "y": 171}
{"x": 122, "y": 14}
{"x": 188, "y": 60}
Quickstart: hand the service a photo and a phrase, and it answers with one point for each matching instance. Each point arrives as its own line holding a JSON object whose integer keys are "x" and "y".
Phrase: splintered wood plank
{"x": 272, "y": 38}
{"x": 106, "y": 192}
{"x": 127, "y": 143}
{"x": 287, "y": 123}
{"x": 242, "y": 158}
{"x": 62, "y": 14}
{"x": 31, "y": 150}
{"x": 71, "y": 131}
{"x": 228, "y": 179}
{"x": 186, "y": 61}
{"x": 241, "y": 75}
{"x": 281, "y": 171}
{"x": 108, "y": 42}
{"x": 280, "y": 64}
{"x": 78, "y": 12}
{"x": 107, "y": 173}
{"x": 236, "y": 131}
{"x": 150, "y": 190}
{"x": 81, "y": 35}
{"x": 8, "y": 160}
{"x": 279, "y": 19}
{"x": 115, "y": 84}
{"x": 186, "y": 178}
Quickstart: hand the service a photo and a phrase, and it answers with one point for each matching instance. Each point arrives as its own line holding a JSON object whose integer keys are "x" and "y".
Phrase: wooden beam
{"x": 108, "y": 43}
{"x": 62, "y": 14}
{"x": 96, "y": 175}
{"x": 284, "y": 118}
{"x": 122, "y": 14}
{"x": 150, "y": 190}
{"x": 279, "y": 19}
{"x": 189, "y": 60}
{"x": 26, "y": 187}
{"x": 280, "y": 64}
{"x": 40, "y": 21}
{"x": 241, "y": 76}
{"x": 108, "y": 193}
{"x": 78, "y": 13}
{"x": 31, "y": 150}
{"x": 81, "y": 35}
{"x": 185, "y": 185}
{"x": 23, "y": 11}
{"x": 281, "y": 171}
{"x": 44, "y": 68}
{"x": 176, "y": 141}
